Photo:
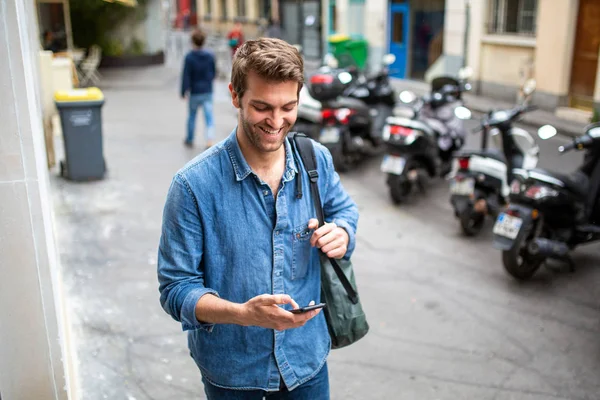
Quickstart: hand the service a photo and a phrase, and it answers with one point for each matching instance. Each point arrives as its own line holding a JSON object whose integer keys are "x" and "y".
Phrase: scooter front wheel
{"x": 400, "y": 187}
{"x": 471, "y": 221}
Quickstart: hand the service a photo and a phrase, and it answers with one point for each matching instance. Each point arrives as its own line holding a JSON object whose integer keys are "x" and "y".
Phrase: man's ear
{"x": 235, "y": 100}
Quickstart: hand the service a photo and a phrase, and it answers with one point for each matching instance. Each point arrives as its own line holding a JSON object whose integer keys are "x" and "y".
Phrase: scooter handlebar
{"x": 578, "y": 143}
{"x": 567, "y": 147}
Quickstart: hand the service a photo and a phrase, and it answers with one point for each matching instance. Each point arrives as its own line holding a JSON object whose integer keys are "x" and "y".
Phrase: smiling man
{"x": 239, "y": 248}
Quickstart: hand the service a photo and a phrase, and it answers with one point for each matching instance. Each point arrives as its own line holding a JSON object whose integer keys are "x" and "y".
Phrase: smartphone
{"x": 307, "y": 308}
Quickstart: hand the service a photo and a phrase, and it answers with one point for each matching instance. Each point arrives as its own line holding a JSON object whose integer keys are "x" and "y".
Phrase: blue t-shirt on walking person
{"x": 198, "y": 72}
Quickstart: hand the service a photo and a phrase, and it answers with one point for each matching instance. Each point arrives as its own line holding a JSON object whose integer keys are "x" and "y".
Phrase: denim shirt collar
{"x": 241, "y": 167}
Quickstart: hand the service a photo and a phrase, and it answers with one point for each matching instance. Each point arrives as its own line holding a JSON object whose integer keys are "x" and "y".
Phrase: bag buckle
{"x": 314, "y": 174}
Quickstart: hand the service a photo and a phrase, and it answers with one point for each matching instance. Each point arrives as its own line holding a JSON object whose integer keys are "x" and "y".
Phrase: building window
{"x": 513, "y": 17}
{"x": 208, "y": 7}
{"x": 264, "y": 9}
{"x": 356, "y": 17}
{"x": 223, "y": 4}
{"x": 241, "y": 8}
{"x": 332, "y": 17}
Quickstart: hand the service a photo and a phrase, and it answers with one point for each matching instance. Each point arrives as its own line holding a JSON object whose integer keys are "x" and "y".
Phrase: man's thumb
{"x": 313, "y": 223}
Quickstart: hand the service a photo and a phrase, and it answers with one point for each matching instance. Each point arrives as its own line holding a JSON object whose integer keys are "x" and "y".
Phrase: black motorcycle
{"x": 346, "y": 111}
{"x": 421, "y": 147}
{"x": 551, "y": 213}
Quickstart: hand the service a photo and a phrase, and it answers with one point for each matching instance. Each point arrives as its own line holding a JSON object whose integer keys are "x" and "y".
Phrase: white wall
{"x": 155, "y": 29}
{"x": 34, "y": 359}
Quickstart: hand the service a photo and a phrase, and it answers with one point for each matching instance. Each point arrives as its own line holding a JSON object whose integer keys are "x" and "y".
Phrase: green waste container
{"x": 81, "y": 123}
{"x": 359, "y": 51}
{"x": 349, "y": 50}
{"x": 337, "y": 44}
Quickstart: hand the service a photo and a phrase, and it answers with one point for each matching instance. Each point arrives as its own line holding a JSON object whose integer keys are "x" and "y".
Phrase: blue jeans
{"x": 315, "y": 389}
{"x": 196, "y": 100}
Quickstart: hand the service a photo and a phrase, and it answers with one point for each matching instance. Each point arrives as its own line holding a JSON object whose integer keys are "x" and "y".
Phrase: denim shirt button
{"x": 278, "y": 273}
{"x": 266, "y": 192}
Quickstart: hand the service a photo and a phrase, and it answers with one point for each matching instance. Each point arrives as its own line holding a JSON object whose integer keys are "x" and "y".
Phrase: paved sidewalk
{"x": 484, "y": 104}
{"x": 107, "y": 234}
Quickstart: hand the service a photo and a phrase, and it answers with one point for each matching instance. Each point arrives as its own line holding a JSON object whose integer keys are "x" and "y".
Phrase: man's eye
{"x": 261, "y": 109}
{"x": 289, "y": 109}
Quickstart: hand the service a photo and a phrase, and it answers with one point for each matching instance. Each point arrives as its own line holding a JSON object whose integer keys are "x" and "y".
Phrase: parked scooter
{"x": 479, "y": 182}
{"x": 346, "y": 111}
{"x": 551, "y": 213}
{"x": 421, "y": 147}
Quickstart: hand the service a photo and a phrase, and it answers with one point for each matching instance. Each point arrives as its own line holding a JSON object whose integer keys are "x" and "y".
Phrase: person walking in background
{"x": 274, "y": 29}
{"x": 235, "y": 37}
{"x": 199, "y": 72}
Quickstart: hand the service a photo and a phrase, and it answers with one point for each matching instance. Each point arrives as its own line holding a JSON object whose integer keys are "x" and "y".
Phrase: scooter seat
{"x": 577, "y": 183}
{"x": 490, "y": 153}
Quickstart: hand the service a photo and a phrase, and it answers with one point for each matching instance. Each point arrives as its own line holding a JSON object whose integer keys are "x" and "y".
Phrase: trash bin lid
{"x": 338, "y": 38}
{"x": 75, "y": 95}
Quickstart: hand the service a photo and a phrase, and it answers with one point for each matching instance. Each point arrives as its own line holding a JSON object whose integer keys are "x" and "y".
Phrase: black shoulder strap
{"x": 304, "y": 147}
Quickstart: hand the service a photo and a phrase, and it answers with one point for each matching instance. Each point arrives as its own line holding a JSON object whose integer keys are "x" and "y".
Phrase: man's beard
{"x": 257, "y": 137}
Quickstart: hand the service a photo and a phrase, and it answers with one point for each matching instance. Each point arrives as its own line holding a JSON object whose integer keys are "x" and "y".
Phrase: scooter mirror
{"x": 594, "y": 132}
{"x": 330, "y": 60}
{"x": 345, "y": 77}
{"x": 407, "y": 97}
{"x": 465, "y": 73}
{"x": 529, "y": 87}
{"x": 546, "y": 132}
{"x": 462, "y": 113}
{"x": 389, "y": 59}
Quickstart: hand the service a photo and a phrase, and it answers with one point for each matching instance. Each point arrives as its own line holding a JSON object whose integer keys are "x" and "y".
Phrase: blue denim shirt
{"x": 225, "y": 233}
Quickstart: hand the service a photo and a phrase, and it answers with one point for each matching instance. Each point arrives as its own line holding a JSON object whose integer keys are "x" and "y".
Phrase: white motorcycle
{"x": 479, "y": 181}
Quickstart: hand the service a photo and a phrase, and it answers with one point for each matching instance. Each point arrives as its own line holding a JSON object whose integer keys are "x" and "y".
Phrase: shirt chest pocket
{"x": 301, "y": 250}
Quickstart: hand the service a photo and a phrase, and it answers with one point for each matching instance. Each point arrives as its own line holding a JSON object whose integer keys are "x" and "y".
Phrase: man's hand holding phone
{"x": 264, "y": 311}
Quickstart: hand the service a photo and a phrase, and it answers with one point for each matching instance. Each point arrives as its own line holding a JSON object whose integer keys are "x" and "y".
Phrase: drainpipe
{"x": 466, "y": 35}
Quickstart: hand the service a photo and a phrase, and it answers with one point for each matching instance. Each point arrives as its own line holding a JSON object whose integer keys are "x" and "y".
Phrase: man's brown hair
{"x": 198, "y": 38}
{"x": 271, "y": 59}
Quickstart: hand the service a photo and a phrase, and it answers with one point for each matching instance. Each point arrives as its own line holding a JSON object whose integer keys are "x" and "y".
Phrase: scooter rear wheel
{"x": 400, "y": 188}
{"x": 471, "y": 222}
{"x": 518, "y": 262}
{"x": 341, "y": 161}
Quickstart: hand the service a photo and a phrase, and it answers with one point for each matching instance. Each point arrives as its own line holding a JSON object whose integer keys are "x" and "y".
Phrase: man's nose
{"x": 277, "y": 119}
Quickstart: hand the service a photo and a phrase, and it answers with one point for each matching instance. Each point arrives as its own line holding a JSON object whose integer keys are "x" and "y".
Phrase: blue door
{"x": 398, "y": 23}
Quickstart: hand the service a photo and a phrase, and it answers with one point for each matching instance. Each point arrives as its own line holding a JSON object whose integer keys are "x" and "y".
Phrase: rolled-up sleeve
{"x": 338, "y": 207}
{"x": 180, "y": 274}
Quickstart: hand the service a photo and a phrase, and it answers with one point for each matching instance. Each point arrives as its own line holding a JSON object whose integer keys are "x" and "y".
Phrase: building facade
{"x": 504, "y": 41}
{"x": 303, "y": 22}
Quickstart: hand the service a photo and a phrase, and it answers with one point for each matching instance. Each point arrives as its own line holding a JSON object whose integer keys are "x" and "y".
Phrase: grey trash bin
{"x": 80, "y": 113}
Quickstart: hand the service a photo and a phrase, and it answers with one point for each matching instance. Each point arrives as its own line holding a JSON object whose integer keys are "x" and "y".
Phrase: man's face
{"x": 267, "y": 111}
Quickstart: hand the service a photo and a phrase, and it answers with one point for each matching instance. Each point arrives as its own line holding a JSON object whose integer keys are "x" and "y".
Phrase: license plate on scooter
{"x": 507, "y": 226}
{"x": 330, "y": 134}
{"x": 393, "y": 165}
{"x": 462, "y": 187}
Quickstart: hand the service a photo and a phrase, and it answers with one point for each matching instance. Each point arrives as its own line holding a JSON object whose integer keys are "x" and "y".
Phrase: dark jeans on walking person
{"x": 205, "y": 101}
{"x": 315, "y": 389}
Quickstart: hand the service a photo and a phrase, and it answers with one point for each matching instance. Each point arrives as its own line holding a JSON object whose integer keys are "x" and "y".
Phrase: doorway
{"x": 399, "y": 21}
{"x": 427, "y": 35}
{"x": 585, "y": 55}
{"x": 301, "y": 23}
